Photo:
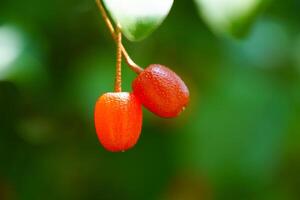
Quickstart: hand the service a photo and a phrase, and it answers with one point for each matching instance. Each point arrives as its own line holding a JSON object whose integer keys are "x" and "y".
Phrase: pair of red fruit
{"x": 118, "y": 115}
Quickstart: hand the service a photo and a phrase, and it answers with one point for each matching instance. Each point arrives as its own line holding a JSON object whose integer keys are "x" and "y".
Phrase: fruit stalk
{"x": 118, "y": 81}
{"x": 137, "y": 69}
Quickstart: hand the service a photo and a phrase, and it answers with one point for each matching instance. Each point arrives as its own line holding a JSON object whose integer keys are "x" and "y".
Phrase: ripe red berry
{"x": 161, "y": 91}
{"x": 118, "y": 120}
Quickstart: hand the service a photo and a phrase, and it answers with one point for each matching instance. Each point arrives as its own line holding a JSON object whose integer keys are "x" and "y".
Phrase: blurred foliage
{"x": 233, "y": 17}
{"x": 238, "y": 139}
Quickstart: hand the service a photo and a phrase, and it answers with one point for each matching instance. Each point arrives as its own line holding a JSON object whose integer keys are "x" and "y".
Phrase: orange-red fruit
{"x": 118, "y": 120}
{"x": 161, "y": 91}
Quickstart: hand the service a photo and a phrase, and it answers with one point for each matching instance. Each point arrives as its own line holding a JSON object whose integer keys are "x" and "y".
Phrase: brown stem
{"x": 118, "y": 81}
{"x": 137, "y": 69}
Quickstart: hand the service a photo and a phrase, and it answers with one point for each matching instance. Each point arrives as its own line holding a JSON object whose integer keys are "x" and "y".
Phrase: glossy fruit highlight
{"x": 118, "y": 120}
{"x": 161, "y": 91}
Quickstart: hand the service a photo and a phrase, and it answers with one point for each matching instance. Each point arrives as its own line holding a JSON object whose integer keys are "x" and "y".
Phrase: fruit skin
{"x": 161, "y": 91}
{"x": 118, "y": 120}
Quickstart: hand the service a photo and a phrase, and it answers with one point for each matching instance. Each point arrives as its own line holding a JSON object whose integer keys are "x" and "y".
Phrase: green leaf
{"x": 138, "y": 18}
{"x": 233, "y": 17}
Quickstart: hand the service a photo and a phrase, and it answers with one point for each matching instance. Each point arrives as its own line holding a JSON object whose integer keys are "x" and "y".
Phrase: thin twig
{"x": 137, "y": 69}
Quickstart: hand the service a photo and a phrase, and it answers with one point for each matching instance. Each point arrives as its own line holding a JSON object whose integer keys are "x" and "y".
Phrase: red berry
{"x": 118, "y": 120}
{"x": 161, "y": 91}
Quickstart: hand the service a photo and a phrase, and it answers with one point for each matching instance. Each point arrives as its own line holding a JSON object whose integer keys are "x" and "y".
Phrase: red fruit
{"x": 118, "y": 120}
{"x": 161, "y": 91}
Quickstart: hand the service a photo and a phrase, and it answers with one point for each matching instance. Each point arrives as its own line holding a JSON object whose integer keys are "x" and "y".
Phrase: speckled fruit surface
{"x": 118, "y": 120}
{"x": 161, "y": 91}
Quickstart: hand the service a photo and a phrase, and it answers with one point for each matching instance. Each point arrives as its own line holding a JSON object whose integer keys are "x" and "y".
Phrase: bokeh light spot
{"x": 11, "y": 45}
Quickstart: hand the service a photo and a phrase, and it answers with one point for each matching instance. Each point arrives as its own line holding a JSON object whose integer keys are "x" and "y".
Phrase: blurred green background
{"x": 238, "y": 140}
